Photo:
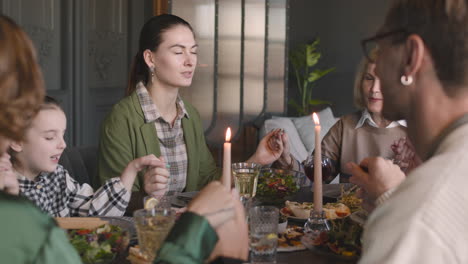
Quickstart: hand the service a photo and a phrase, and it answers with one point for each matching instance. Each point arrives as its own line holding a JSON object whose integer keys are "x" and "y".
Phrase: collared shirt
{"x": 171, "y": 138}
{"x": 366, "y": 116}
{"x": 59, "y": 195}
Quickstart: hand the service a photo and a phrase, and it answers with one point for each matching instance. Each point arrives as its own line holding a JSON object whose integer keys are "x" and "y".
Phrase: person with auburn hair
{"x": 28, "y": 235}
{"x": 422, "y": 64}
{"x": 153, "y": 118}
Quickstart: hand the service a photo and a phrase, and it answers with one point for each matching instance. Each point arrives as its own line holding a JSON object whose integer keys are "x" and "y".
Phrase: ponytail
{"x": 138, "y": 73}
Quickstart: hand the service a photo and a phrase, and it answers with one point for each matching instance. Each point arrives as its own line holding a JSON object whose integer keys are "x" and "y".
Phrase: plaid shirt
{"x": 171, "y": 138}
{"x": 59, "y": 195}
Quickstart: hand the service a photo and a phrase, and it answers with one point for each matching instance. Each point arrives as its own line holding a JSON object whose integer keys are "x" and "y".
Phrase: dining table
{"x": 305, "y": 194}
{"x": 297, "y": 257}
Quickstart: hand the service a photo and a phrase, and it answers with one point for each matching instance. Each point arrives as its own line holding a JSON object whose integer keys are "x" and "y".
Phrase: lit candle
{"x": 317, "y": 167}
{"x": 226, "y": 177}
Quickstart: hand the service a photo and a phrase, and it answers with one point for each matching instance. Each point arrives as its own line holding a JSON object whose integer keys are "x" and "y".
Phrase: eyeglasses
{"x": 370, "y": 44}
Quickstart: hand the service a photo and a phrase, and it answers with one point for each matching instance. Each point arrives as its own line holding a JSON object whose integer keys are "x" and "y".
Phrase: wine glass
{"x": 328, "y": 168}
{"x": 245, "y": 180}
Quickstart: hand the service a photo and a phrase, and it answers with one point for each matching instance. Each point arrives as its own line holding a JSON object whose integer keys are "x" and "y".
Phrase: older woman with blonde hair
{"x": 365, "y": 132}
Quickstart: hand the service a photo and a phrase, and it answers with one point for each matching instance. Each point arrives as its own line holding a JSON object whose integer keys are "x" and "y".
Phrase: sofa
{"x": 300, "y": 131}
{"x": 81, "y": 164}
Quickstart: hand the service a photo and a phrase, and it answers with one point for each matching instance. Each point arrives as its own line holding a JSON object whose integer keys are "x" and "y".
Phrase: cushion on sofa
{"x": 305, "y": 127}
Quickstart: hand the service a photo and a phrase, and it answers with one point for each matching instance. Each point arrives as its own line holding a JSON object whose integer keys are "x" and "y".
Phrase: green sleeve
{"x": 115, "y": 147}
{"x": 191, "y": 240}
{"x": 208, "y": 169}
{"x": 31, "y": 236}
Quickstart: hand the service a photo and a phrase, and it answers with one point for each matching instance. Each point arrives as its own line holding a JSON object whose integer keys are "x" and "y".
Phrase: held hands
{"x": 381, "y": 176}
{"x": 223, "y": 210}
{"x": 155, "y": 177}
{"x": 8, "y": 181}
{"x": 405, "y": 155}
{"x": 274, "y": 146}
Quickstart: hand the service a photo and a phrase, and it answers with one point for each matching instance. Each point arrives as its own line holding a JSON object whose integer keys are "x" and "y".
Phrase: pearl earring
{"x": 406, "y": 80}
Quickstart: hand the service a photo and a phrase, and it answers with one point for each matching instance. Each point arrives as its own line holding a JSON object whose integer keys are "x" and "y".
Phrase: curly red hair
{"x": 21, "y": 81}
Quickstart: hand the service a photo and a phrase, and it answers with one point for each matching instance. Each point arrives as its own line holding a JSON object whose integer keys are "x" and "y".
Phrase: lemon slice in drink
{"x": 272, "y": 236}
{"x": 151, "y": 203}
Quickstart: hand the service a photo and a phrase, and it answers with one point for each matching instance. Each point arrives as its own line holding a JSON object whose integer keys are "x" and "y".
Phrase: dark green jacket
{"x": 31, "y": 236}
{"x": 125, "y": 136}
{"x": 191, "y": 241}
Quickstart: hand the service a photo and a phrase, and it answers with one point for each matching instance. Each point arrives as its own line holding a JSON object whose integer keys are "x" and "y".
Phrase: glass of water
{"x": 263, "y": 234}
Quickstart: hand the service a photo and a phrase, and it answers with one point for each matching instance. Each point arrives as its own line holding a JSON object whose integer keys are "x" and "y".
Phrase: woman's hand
{"x": 8, "y": 181}
{"x": 271, "y": 148}
{"x": 156, "y": 179}
{"x": 223, "y": 210}
{"x": 285, "y": 161}
{"x": 405, "y": 155}
{"x": 129, "y": 174}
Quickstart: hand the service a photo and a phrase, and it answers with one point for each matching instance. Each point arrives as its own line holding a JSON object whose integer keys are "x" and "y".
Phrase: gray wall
{"x": 85, "y": 49}
{"x": 341, "y": 25}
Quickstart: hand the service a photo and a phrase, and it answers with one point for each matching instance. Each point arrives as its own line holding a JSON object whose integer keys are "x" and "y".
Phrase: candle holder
{"x": 316, "y": 224}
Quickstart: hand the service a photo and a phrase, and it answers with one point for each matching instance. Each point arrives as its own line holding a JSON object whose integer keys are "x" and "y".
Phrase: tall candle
{"x": 318, "y": 202}
{"x": 226, "y": 177}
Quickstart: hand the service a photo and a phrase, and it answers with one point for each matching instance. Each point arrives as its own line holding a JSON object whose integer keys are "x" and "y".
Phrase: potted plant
{"x": 304, "y": 59}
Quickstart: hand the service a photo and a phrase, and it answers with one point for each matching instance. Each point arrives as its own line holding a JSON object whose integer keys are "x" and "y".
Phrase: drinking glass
{"x": 328, "y": 168}
{"x": 263, "y": 233}
{"x": 159, "y": 201}
{"x": 245, "y": 179}
{"x": 153, "y": 226}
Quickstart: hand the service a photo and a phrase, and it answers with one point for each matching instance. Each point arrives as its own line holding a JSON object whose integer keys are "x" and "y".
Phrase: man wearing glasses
{"x": 422, "y": 64}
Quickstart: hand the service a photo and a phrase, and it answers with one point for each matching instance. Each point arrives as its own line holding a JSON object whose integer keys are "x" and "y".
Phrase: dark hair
{"x": 50, "y": 103}
{"x": 150, "y": 38}
{"x": 21, "y": 83}
{"x": 443, "y": 25}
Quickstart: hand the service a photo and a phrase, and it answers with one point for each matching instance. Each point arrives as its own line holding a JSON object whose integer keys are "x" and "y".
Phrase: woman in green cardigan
{"x": 204, "y": 232}
{"x": 153, "y": 119}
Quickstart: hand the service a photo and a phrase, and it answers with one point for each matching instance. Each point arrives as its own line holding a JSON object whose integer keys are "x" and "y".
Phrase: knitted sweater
{"x": 424, "y": 220}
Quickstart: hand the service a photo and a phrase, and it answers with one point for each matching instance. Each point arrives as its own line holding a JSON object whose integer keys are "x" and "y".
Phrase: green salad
{"x": 344, "y": 238}
{"x": 276, "y": 186}
{"x": 100, "y": 245}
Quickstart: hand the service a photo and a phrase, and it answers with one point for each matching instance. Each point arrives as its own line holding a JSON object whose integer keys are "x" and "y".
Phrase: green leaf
{"x": 319, "y": 102}
{"x": 317, "y": 74}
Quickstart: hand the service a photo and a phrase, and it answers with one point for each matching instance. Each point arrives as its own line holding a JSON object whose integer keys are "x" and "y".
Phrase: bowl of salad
{"x": 275, "y": 186}
{"x": 100, "y": 245}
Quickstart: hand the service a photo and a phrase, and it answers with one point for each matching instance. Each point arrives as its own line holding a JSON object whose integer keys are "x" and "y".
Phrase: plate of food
{"x": 301, "y": 211}
{"x": 290, "y": 239}
{"x": 343, "y": 241}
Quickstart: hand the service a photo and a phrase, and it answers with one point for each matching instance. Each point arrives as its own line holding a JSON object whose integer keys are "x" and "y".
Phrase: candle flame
{"x": 228, "y": 134}
{"x": 316, "y": 119}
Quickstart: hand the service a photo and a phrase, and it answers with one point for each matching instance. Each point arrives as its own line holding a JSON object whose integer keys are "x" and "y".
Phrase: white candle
{"x": 226, "y": 177}
{"x": 318, "y": 202}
